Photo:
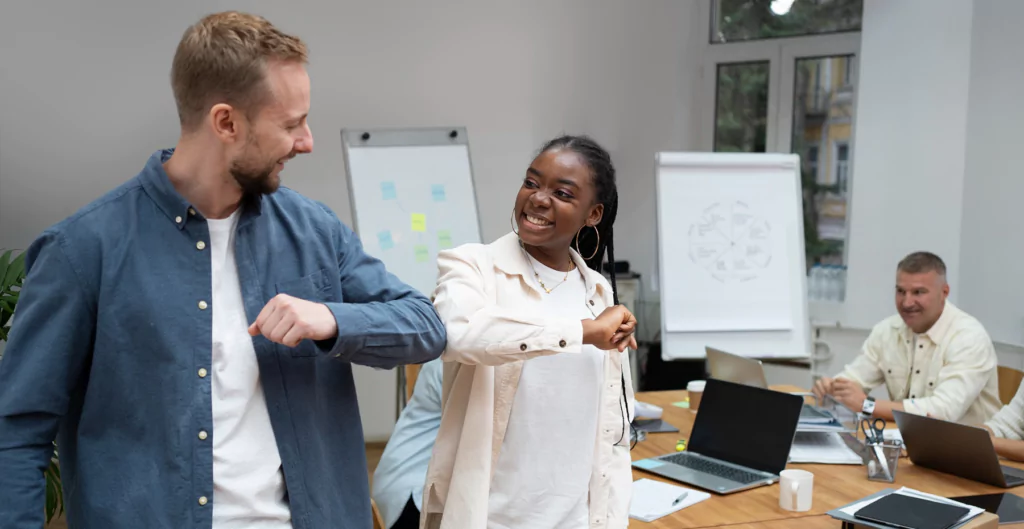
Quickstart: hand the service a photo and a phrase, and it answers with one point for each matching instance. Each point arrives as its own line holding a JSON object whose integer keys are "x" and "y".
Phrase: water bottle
{"x": 842, "y": 283}
{"x": 814, "y": 283}
{"x": 831, "y": 281}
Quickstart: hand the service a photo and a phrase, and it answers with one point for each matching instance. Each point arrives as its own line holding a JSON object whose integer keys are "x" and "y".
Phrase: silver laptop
{"x": 740, "y": 439}
{"x": 735, "y": 368}
{"x": 958, "y": 449}
{"x": 742, "y": 370}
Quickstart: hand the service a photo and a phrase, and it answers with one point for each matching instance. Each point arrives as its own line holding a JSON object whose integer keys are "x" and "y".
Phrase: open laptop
{"x": 953, "y": 448}
{"x": 735, "y": 368}
{"x": 741, "y": 439}
{"x": 742, "y": 370}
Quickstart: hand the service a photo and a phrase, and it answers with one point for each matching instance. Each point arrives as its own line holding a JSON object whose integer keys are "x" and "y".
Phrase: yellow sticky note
{"x": 419, "y": 222}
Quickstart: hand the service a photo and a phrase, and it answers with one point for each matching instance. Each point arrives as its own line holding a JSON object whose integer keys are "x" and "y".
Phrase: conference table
{"x": 758, "y": 508}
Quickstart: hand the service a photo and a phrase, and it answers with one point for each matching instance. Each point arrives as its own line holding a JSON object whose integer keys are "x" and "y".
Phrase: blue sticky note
{"x": 387, "y": 190}
{"x": 384, "y": 238}
{"x": 437, "y": 190}
{"x": 647, "y": 464}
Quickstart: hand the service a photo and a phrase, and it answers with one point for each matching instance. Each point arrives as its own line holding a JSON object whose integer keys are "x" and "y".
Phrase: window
{"x": 743, "y": 20}
{"x": 810, "y": 159}
{"x": 741, "y": 107}
{"x": 842, "y": 167}
{"x": 793, "y": 94}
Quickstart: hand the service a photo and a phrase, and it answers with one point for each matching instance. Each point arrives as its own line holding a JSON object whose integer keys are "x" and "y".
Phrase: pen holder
{"x": 882, "y": 460}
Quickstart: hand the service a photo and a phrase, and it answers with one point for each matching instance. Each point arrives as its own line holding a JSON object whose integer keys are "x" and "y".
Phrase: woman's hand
{"x": 613, "y": 329}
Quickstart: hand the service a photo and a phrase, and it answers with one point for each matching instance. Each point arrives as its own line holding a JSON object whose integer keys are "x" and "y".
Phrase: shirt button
{"x": 202, "y": 305}
{"x": 177, "y": 220}
{"x": 202, "y": 372}
{"x": 920, "y": 346}
{"x": 591, "y": 302}
{"x": 918, "y": 372}
{"x": 890, "y": 371}
{"x": 202, "y": 500}
{"x": 913, "y": 396}
{"x": 561, "y": 343}
{"x": 522, "y": 347}
{"x": 200, "y": 245}
{"x": 202, "y": 435}
{"x": 191, "y": 211}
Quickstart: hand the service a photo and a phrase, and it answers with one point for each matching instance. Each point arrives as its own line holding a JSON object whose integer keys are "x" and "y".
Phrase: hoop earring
{"x": 595, "y": 247}
{"x": 512, "y": 220}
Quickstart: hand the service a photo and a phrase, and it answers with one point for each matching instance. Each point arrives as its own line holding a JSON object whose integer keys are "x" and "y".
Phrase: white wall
{"x": 992, "y": 285}
{"x": 84, "y": 99}
{"x": 909, "y": 147}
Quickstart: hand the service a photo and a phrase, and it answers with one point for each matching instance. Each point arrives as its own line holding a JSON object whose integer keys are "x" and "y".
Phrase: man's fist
{"x": 288, "y": 320}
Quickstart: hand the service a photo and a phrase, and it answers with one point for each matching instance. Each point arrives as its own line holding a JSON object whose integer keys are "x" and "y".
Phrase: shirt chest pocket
{"x": 316, "y": 287}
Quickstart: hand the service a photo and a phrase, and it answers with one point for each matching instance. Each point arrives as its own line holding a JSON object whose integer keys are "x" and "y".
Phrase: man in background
{"x": 399, "y": 478}
{"x": 189, "y": 337}
{"x": 933, "y": 358}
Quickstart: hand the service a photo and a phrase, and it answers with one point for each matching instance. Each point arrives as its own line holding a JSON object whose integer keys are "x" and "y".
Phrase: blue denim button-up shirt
{"x": 110, "y": 348}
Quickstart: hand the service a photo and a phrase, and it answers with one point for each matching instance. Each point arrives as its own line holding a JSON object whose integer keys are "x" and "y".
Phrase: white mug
{"x": 796, "y": 490}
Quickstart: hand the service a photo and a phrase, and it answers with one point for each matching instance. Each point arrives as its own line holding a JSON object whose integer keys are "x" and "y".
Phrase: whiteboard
{"x": 731, "y": 255}
{"x": 412, "y": 195}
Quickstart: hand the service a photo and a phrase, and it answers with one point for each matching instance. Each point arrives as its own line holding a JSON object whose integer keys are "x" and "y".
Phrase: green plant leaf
{"x": 15, "y": 273}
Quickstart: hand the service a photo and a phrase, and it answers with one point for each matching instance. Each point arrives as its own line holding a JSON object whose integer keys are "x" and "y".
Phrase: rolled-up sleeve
{"x": 970, "y": 362}
{"x": 481, "y": 332}
{"x": 382, "y": 321}
{"x": 1008, "y": 422}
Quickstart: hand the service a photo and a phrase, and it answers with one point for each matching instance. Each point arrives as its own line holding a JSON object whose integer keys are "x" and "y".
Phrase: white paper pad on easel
{"x": 653, "y": 499}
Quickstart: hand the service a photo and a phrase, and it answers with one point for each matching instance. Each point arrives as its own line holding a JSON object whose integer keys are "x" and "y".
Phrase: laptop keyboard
{"x": 714, "y": 468}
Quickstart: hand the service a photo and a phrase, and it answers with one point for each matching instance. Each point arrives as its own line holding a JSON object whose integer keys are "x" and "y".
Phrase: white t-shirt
{"x": 542, "y": 477}
{"x": 248, "y": 482}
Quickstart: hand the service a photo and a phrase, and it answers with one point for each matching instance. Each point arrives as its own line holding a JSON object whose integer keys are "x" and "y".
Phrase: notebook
{"x": 899, "y": 510}
{"x": 654, "y": 499}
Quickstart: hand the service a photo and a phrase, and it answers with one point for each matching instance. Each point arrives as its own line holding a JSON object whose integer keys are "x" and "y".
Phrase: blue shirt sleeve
{"x": 382, "y": 321}
{"x": 49, "y": 344}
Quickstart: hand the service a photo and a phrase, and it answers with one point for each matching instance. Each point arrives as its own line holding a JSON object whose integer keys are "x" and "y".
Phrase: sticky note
{"x": 647, "y": 464}
{"x": 444, "y": 239}
{"x": 386, "y": 243}
{"x": 419, "y": 222}
{"x": 422, "y": 254}
{"x": 387, "y": 190}
{"x": 682, "y": 404}
{"x": 437, "y": 190}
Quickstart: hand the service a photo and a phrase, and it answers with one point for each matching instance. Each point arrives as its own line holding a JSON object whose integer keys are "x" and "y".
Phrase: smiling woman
{"x": 535, "y": 352}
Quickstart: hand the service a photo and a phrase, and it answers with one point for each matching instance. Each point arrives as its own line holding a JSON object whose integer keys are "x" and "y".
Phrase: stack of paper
{"x": 822, "y": 447}
{"x": 974, "y": 511}
{"x": 654, "y": 499}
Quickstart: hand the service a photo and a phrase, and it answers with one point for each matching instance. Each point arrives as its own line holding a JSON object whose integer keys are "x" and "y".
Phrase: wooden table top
{"x": 758, "y": 508}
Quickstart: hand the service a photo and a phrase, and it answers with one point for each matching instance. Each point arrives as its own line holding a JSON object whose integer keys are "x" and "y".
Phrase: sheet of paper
{"x": 654, "y": 499}
{"x": 822, "y": 447}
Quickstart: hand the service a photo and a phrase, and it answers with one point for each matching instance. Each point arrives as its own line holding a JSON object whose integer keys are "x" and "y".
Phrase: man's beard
{"x": 255, "y": 180}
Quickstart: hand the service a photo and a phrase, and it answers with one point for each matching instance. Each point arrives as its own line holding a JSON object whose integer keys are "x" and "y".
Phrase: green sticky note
{"x": 422, "y": 254}
{"x": 444, "y": 239}
{"x": 419, "y": 222}
{"x": 682, "y": 404}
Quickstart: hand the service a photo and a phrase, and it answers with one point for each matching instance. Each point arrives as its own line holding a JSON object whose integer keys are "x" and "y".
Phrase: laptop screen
{"x": 748, "y": 426}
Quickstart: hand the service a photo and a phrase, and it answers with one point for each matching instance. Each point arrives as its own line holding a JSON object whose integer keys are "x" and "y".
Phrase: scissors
{"x": 872, "y": 429}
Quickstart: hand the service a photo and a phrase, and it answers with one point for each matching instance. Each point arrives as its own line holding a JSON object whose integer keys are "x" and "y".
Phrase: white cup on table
{"x": 796, "y": 490}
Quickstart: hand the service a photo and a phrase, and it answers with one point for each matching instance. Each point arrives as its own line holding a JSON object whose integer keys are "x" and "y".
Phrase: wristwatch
{"x": 869, "y": 406}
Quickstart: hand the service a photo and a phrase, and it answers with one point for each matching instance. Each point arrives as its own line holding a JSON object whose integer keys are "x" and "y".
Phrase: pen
{"x": 680, "y": 498}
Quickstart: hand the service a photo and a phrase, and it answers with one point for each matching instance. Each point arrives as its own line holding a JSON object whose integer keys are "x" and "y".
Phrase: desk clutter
{"x": 747, "y": 440}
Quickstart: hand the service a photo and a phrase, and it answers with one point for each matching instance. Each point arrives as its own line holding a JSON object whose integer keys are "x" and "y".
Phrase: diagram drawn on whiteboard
{"x": 731, "y": 242}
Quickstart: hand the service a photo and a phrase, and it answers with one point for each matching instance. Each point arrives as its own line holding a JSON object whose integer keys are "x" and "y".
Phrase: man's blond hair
{"x": 222, "y": 59}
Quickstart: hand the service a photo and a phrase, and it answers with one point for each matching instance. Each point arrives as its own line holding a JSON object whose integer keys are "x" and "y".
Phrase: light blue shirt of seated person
{"x": 403, "y": 466}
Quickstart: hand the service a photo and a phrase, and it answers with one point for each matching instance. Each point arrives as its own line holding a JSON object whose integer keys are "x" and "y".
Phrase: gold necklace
{"x": 572, "y": 266}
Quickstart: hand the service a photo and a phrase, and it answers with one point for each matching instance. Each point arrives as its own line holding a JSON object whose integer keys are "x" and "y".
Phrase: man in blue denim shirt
{"x": 189, "y": 337}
